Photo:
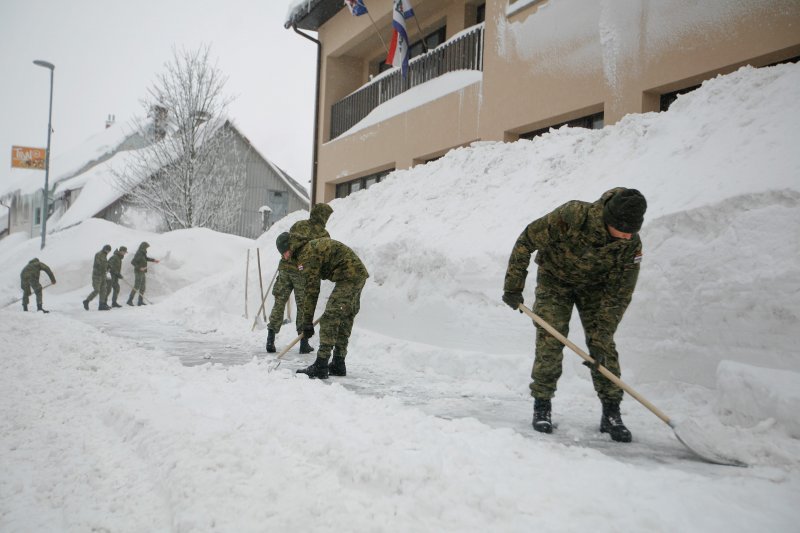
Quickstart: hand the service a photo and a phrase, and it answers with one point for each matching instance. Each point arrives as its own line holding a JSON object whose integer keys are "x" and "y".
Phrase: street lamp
{"x": 45, "y": 199}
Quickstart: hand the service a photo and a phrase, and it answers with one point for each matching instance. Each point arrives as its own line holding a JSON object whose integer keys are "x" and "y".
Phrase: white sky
{"x": 107, "y": 53}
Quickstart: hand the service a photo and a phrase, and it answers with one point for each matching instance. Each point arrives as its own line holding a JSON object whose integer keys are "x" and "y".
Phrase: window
{"x": 481, "y": 14}
{"x": 592, "y": 122}
{"x": 37, "y": 216}
{"x": 349, "y": 187}
{"x": 432, "y": 40}
{"x": 667, "y": 99}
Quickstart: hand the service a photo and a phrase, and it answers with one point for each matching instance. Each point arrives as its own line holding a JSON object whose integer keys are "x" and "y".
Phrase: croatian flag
{"x": 398, "y": 51}
{"x": 357, "y": 7}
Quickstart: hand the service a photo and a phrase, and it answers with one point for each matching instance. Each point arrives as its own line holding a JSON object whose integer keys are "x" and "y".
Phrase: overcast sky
{"x": 107, "y": 53}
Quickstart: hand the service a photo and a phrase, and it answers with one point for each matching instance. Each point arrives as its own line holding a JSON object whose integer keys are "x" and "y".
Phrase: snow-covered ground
{"x": 102, "y": 428}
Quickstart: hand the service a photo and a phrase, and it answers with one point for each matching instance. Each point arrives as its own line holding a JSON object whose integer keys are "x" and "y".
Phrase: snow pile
{"x": 101, "y": 428}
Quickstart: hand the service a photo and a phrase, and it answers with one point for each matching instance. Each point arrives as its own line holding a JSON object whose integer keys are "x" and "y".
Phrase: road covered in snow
{"x": 170, "y": 417}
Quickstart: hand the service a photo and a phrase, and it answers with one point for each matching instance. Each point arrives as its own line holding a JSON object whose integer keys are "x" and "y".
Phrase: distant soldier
{"x": 139, "y": 262}
{"x": 289, "y": 279}
{"x": 115, "y": 269}
{"x": 588, "y": 256}
{"x": 29, "y": 280}
{"x": 99, "y": 280}
{"x": 328, "y": 259}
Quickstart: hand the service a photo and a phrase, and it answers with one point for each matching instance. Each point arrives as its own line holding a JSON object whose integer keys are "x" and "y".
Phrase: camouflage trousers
{"x": 31, "y": 286}
{"x": 600, "y": 315}
{"x": 113, "y": 288}
{"x": 139, "y": 282}
{"x": 99, "y": 286}
{"x": 336, "y": 322}
{"x": 287, "y": 281}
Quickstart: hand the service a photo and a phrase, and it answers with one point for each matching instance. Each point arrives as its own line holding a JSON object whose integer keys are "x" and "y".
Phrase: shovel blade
{"x": 696, "y": 440}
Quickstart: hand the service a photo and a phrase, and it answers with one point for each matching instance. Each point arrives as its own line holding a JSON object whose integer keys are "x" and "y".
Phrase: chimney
{"x": 159, "y": 115}
{"x": 110, "y": 121}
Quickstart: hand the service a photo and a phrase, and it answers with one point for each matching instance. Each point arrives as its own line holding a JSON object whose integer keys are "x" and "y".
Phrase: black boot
{"x": 305, "y": 347}
{"x": 337, "y": 366}
{"x": 86, "y": 304}
{"x": 24, "y": 307}
{"x": 103, "y": 307}
{"x": 611, "y": 423}
{"x": 318, "y": 370}
{"x": 141, "y": 301}
{"x": 39, "y": 308}
{"x": 130, "y": 299}
{"x": 115, "y": 304}
{"x": 271, "y": 341}
{"x": 541, "y": 416}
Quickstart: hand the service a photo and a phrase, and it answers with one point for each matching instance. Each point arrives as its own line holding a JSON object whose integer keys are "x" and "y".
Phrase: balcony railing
{"x": 465, "y": 52}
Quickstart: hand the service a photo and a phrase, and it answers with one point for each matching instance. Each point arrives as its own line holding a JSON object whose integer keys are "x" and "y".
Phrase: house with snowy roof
{"x": 269, "y": 192}
{"x": 91, "y": 189}
{"x": 503, "y": 70}
{"x": 21, "y": 192}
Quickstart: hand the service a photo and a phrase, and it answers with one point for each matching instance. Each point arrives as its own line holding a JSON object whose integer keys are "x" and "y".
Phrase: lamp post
{"x": 45, "y": 199}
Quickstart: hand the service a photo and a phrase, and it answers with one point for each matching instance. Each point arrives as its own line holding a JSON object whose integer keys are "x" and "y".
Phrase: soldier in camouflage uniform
{"x": 588, "y": 257}
{"x": 29, "y": 281}
{"x": 331, "y": 260}
{"x": 99, "y": 280}
{"x": 115, "y": 269}
{"x": 290, "y": 279}
{"x": 139, "y": 262}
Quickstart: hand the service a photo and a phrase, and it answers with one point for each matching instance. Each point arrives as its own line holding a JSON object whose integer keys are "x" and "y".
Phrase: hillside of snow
{"x": 172, "y": 417}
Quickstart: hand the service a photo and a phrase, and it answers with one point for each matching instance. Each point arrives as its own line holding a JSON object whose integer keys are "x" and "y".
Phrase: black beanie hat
{"x": 107, "y": 248}
{"x": 282, "y": 242}
{"x": 625, "y": 211}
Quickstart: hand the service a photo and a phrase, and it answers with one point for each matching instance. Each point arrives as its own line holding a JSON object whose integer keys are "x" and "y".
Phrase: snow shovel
{"x": 264, "y": 297}
{"x": 689, "y": 433}
{"x": 289, "y": 347}
{"x": 12, "y": 302}
{"x": 134, "y": 290}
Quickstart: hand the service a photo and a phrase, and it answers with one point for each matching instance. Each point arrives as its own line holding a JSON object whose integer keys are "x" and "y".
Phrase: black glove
{"x": 513, "y": 299}
{"x": 599, "y": 359}
{"x": 308, "y": 331}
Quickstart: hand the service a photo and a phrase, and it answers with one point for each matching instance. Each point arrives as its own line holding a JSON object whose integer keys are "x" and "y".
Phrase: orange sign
{"x": 24, "y": 157}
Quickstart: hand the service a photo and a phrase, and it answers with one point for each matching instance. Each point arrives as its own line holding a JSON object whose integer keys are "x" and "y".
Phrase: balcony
{"x": 462, "y": 52}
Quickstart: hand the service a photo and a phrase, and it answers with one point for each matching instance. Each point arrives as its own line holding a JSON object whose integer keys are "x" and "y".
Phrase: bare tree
{"x": 190, "y": 172}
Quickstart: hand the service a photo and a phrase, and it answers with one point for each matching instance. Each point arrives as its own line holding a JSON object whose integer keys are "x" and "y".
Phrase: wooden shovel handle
{"x": 295, "y": 341}
{"x": 603, "y": 370}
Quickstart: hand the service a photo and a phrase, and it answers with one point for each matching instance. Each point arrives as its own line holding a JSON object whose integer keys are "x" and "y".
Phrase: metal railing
{"x": 462, "y": 53}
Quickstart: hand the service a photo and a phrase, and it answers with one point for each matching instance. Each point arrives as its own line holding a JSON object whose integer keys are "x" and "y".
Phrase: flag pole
{"x": 378, "y": 32}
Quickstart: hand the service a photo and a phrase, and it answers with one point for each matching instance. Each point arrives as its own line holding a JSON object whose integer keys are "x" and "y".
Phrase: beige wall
{"x": 552, "y": 61}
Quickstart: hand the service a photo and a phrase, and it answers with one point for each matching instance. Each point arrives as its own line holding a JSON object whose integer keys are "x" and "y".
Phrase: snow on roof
{"x": 99, "y": 189}
{"x": 67, "y": 163}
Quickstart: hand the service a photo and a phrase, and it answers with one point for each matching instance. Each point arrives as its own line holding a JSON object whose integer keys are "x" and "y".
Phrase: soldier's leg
{"x": 600, "y": 317}
{"x": 26, "y": 295}
{"x": 281, "y": 291}
{"x": 338, "y": 318}
{"x": 114, "y": 290}
{"x": 96, "y": 286}
{"x": 351, "y": 305}
{"x": 37, "y": 290}
{"x": 298, "y": 283}
{"x": 554, "y": 304}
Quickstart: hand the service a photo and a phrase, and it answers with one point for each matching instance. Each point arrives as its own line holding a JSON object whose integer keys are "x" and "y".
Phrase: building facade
{"x": 502, "y": 70}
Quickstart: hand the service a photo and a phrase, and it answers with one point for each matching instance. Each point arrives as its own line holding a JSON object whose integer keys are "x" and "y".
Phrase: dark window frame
{"x": 589, "y": 122}
{"x": 359, "y": 184}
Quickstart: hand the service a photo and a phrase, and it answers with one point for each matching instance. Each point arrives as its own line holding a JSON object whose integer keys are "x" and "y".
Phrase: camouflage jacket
{"x": 313, "y": 228}
{"x": 115, "y": 265}
{"x": 140, "y": 258}
{"x": 575, "y": 247}
{"x": 100, "y": 264}
{"x": 30, "y": 273}
{"x": 324, "y": 259}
